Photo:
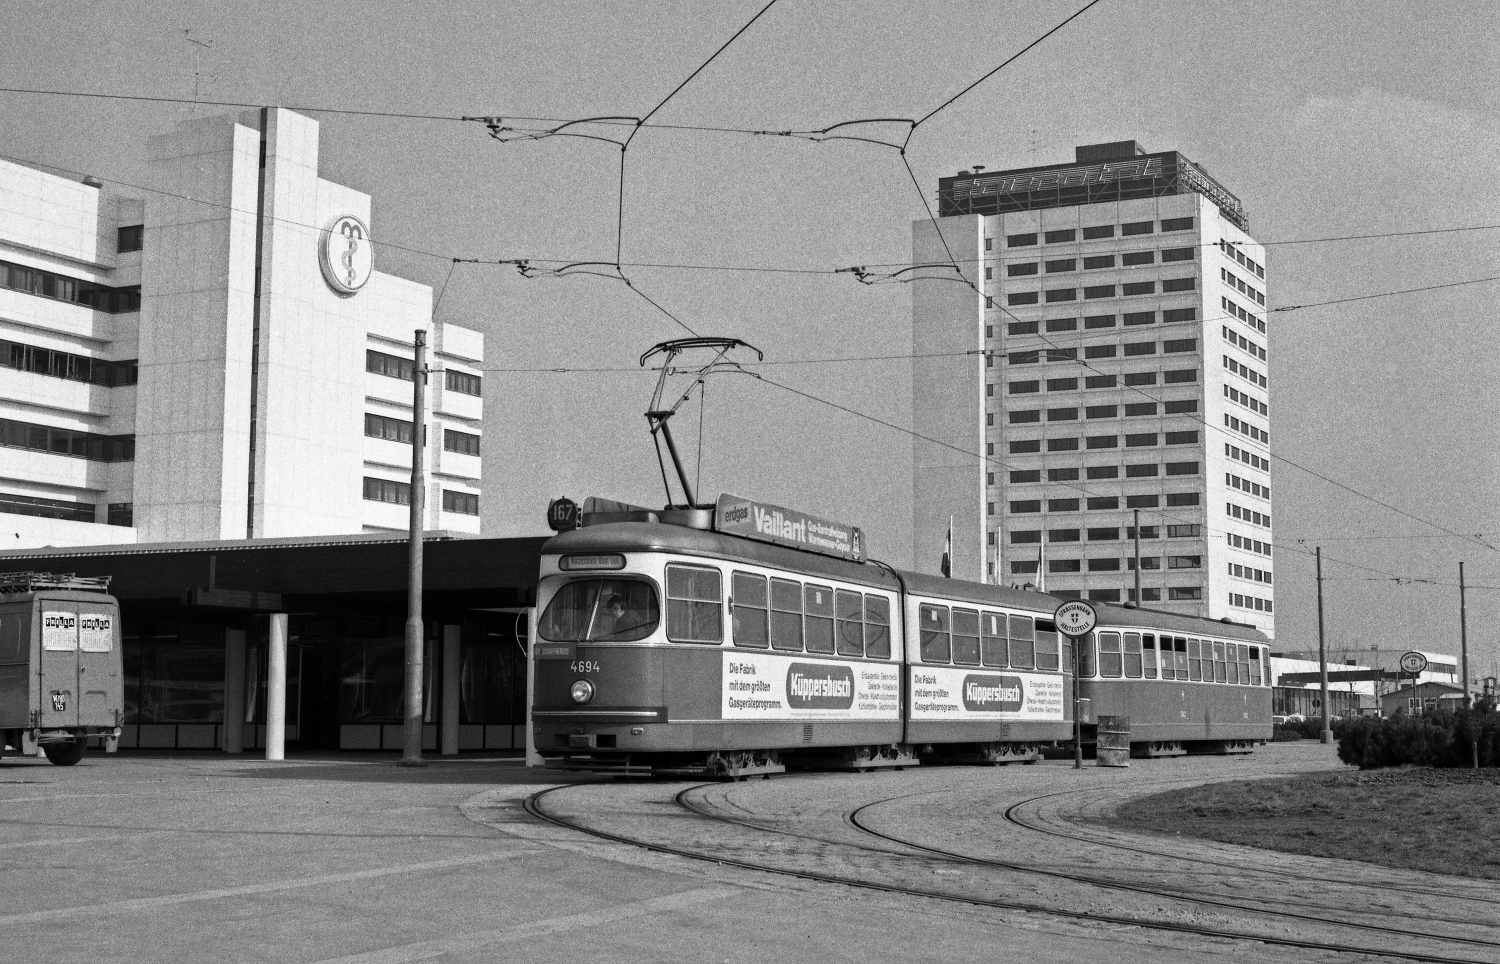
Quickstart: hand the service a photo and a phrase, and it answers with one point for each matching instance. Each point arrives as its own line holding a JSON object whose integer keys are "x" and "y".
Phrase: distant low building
{"x": 1300, "y": 696}
{"x": 1422, "y": 698}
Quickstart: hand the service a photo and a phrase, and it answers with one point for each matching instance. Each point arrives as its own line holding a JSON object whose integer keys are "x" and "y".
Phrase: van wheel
{"x": 65, "y": 754}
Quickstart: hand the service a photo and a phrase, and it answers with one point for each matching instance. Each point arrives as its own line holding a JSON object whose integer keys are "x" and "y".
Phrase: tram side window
{"x": 695, "y": 605}
{"x": 877, "y": 627}
{"x": 966, "y": 637}
{"x": 994, "y": 647}
{"x": 1266, "y": 668}
{"x": 1047, "y": 656}
{"x": 786, "y": 615}
{"x": 818, "y": 619}
{"x": 1195, "y": 660}
{"x": 1254, "y": 666}
{"x": 751, "y": 613}
{"x": 1219, "y": 668}
{"x": 1179, "y": 648}
{"x": 1133, "y": 655}
{"x": 1088, "y": 663}
{"x": 1022, "y": 643}
{"x": 1148, "y": 657}
{"x": 849, "y": 612}
{"x": 1232, "y": 658}
{"x": 937, "y": 645}
{"x": 1243, "y": 654}
{"x": 1109, "y": 655}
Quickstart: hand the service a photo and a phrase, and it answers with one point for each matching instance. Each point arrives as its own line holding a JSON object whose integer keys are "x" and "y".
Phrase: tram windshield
{"x": 590, "y": 610}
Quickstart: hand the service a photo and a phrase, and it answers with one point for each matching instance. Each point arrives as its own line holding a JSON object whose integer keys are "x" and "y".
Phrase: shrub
{"x": 1444, "y": 739}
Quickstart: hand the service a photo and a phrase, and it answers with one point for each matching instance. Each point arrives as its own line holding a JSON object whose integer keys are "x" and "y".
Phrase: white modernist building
{"x": 1109, "y": 358}
{"x": 217, "y": 358}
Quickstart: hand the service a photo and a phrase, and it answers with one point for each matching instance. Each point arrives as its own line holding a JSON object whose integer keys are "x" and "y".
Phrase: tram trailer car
{"x": 663, "y": 645}
{"x": 1185, "y": 684}
{"x": 61, "y": 678}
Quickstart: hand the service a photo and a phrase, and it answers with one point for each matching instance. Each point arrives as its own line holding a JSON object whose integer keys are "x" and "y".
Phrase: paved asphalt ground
{"x": 190, "y": 858}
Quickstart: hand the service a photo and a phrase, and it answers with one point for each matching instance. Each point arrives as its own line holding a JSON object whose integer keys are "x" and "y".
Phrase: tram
{"x": 748, "y": 639}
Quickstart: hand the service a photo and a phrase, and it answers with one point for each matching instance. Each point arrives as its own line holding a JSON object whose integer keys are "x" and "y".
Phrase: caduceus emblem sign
{"x": 345, "y": 254}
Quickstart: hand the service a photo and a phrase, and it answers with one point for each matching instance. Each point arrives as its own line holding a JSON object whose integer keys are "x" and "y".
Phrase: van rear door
{"x": 100, "y": 689}
{"x": 57, "y": 667}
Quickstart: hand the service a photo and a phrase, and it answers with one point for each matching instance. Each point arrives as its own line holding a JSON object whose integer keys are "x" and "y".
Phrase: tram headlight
{"x": 582, "y": 691}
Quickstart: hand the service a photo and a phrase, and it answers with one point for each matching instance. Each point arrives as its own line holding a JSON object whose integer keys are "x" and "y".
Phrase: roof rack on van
{"x": 19, "y": 582}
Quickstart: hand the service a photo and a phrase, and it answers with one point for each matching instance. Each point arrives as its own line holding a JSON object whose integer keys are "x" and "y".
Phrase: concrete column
{"x": 452, "y": 681}
{"x": 276, "y": 689}
{"x": 234, "y": 691}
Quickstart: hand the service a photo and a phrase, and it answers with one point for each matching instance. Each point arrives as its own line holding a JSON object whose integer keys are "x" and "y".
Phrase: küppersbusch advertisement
{"x": 766, "y": 686}
{"x": 954, "y": 693}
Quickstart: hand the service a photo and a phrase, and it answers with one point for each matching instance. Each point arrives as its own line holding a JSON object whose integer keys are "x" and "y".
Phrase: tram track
{"x": 1015, "y": 815}
{"x": 856, "y": 863}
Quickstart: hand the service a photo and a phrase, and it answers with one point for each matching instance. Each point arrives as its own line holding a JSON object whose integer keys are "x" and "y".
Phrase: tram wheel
{"x": 65, "y": 754}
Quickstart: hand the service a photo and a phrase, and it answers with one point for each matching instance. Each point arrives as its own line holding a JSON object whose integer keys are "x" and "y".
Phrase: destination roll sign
{"x": 776, "y": 524}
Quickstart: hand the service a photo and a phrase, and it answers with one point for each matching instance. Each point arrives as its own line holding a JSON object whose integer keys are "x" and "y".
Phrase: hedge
{"x": 1442, "y": 739}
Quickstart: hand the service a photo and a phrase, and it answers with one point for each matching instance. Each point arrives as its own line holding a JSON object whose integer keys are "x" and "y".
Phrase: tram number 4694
{"x": 584, "y": 666}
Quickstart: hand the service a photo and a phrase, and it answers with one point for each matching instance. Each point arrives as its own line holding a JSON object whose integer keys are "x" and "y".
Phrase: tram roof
{"x": 1122, "y": 617}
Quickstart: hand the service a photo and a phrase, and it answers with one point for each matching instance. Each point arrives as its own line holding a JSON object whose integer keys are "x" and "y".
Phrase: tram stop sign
{"x": 562, "y": 515}
{"x": 1413, "y": 663}
{"x": 1075, "y": 618}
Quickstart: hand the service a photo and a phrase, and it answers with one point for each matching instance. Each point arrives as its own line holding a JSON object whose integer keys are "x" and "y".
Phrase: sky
{"x": 1328, "y": 120}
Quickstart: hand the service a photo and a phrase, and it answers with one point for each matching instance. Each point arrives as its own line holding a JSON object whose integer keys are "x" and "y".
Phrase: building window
{"x": 1062, "y": 384}
{"x": 1098, "y": 232}
{"x": 1062, "y": 294}
{"x": 1021, "y": 269}
{"x": 1184, "y": 593}
{"x": 1062, "y": 264}
{"x": 1103, "y": 441}
{"x": 390, "y": 429}
{"x": 389, "y": 365}
{"x": 1021, "y": 328}
{"x": 1138, "y": 379}
{"x": 1170, "y": 285}
{"x": 1132, "y": 258}
{"x": 1142, "y": 501}
{"x": 1140, "y": 348}
{"x": 1062, "y": 414}
{"x": 989, "y": 274}
{"x": 53, "y": 508}
{"x": 1182, "y": 438}
{"x": 1095, "y": 472}
{"x": 1099, "y": 291}
{"x": 129, "y": 238}
{"x": 1024, "y": 536}
{"x": 1140, "y": 317}
{"x": 1062, "y": 535}
{"x": 1136, "y": 227}
{"x": 1100, "y": 381}
{"x": 1025, "y": 446}
{"x": 121, "y": 514}
{"x": 63, "y": 441}
{"x": 1061, "y": 235}
{"x": 1169, "y": 255}
{"x": 1023, "y": 566}
{"x": 1103, "y": 502}
{"x": 1097, "y": 261}
{"x": 1176, "y": 224}
{"x": 1171, "y": 315}
{"x": 1062, "y": 445}
{"x": 1182, "y": 468}
{"x": 67, "y": 365}
{"x": 462, "y": 503}
{"x": 1139, "y": 288}
{"x": 1105, "y": 534}
{"x": 1178, "y": 500}
{"x": 1180, "y": 376}
{"x": 385, "y": 490}
{"x": 1098, "y": 321}
{"x": 1062, "y": 505}
{"x": 1140, "y": 408}
{"x": 1062, "y": 475}
{"x": 1062, "y": 324}
{"x": 1024, "y": 416}
{"x": 1099, "y": 351}
{"x": 1064, "y": 565}
{"x": 461, "y": 382}
{"x": 1021, "y": 298}
{"x": 1019, "y": 476}
{"x": 49, "y": 284}
{"x": 1102, "y": 411}
{"x": 1181, "y": 406}
{"x": 1109, "y": 564}
{"x": 1020, "y": 240}
{"x": 1141, "y": 470}
{"x": 1140, "y": 439}
{"x": 1023, "y": 388}
{"x": 461, "y": 442}
{"x": 989, "y": 244}
{"x": 1179, "y": 345}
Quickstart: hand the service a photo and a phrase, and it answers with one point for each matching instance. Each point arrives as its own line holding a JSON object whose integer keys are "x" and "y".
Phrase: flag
{"x": 947, "y": 565}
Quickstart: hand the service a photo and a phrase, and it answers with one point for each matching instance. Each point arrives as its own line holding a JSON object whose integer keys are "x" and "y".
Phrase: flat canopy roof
{"x": 501, "y": 572}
